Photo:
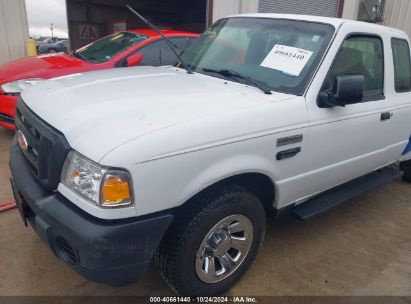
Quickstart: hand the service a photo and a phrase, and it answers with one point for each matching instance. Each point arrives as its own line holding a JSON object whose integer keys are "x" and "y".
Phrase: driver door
{"x": 348, "y": 142}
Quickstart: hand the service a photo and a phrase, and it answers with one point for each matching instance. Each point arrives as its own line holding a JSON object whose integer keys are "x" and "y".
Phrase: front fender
{"x": 224, "y": 169}
{"x": 170, "y": 182}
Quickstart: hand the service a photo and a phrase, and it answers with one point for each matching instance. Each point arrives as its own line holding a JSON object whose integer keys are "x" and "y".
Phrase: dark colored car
{"x": 46, "y": 42}
{"x": 60, "y": 46}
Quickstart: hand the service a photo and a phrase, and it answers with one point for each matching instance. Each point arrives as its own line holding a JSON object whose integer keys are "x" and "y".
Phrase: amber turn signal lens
{"x": 115, "y": 191}
{"x": 75, "y": 174}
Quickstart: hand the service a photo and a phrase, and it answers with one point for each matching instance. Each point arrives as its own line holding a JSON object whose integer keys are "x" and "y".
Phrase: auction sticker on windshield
{"x": 287, "y": 59}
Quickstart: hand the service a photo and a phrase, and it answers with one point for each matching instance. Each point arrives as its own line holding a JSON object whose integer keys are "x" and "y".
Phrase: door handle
{"x": 386, "y": 116}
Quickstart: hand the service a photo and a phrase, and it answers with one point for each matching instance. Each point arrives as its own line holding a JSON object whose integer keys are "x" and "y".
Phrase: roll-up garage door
{"x": 328, "y": 8}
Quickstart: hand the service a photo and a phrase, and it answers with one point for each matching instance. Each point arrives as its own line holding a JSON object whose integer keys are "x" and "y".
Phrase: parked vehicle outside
{"x": 60, "y": 46}
{"x": 123, "y": 49}
{"x": 46, "y": 42}
{"x": 272, "y": 113}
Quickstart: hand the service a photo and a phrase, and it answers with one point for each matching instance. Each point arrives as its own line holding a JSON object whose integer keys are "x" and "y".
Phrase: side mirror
{"x": 348, "y": 89}
{"x": 134, "y": 60}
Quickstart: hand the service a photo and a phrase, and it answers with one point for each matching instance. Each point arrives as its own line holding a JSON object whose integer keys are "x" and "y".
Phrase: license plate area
{"x": 21, "y": 204}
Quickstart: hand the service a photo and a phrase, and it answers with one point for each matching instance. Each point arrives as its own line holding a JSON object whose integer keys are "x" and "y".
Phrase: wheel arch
{"x": 260, "y": 184}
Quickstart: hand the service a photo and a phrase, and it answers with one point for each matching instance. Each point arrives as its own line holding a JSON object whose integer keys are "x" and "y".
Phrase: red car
{"x": 123, "y": 49}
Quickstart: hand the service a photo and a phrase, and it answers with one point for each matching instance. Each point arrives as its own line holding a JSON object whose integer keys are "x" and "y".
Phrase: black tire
{"x": 52, "y": 50}
{"x": 406, "y": 168}
{"x": 176, "y": 256}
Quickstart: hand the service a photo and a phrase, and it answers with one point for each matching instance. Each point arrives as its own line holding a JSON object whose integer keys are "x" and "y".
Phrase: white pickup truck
{"x": 274, "y": 113}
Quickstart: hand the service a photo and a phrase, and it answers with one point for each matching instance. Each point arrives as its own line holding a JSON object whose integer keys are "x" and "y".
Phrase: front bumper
{"x": 7, "y": 111}
{"x": 111, "y": 252}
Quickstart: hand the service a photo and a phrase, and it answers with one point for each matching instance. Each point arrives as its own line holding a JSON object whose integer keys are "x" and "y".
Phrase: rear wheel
{"x": 52, "y": 50}
{"x": 406, "y": 168}
{"x": 213, "y": 244}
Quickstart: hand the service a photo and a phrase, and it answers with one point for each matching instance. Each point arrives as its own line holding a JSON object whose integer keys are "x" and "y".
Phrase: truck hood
{"x": 99, "y": 111}
{"x": 45, "y": 66}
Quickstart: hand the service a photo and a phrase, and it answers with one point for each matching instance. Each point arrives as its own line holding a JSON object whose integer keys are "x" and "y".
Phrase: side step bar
{"x": 336, "y": 196}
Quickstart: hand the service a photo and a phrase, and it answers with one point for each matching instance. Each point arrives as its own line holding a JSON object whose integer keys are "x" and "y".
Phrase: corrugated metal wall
{"x": 13, "y": 30}
{"x": 398, "y": 14}
{"x": 328, "y": 8}
{"x": 223, "y": 8}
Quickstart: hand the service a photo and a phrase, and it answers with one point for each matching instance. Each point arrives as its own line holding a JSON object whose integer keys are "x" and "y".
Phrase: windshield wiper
{"x": 233, "y": 74}
{"x": 172, "y": 46}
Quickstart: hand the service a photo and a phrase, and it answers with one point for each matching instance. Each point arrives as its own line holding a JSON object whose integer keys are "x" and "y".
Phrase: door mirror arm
{"x": 328, "y": 99}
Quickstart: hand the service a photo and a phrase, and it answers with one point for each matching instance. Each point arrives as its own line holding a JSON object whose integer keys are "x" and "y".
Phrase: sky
{"x": 41, "y": 13}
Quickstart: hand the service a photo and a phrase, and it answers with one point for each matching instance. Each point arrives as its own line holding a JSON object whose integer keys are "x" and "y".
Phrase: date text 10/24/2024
{"x": 203, "y": 300}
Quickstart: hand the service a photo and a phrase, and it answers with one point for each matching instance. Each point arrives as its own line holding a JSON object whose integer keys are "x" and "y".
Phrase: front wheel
{"x": 213, "y": 244}
{"x": 406, "y": 168}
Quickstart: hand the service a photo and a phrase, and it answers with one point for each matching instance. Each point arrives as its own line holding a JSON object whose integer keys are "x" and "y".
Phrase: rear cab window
{"x": 402, "y": 65}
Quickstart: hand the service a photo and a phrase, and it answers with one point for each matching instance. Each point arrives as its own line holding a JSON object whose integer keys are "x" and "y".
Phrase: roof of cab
{"x": 336, "y": 22}
{"x": 152, "y": 33}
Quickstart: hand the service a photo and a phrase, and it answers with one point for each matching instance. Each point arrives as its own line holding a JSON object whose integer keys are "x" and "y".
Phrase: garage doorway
{"x": 89, "y": 20}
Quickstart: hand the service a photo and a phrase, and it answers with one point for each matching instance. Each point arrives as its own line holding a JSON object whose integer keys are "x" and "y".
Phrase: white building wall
{"x": 398, "y": 14}
{"x": 13, "y": 30}
{"x": 223, "y": 8}
{"x": 350, "y": 10}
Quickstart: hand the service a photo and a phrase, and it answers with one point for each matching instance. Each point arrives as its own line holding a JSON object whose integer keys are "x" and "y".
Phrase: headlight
{"x": 18, "y": 86}
{"x": 104, "y": 187}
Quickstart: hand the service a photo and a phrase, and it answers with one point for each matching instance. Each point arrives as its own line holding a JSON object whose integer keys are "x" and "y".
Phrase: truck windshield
{"x": 282, "y": 54}
{"x": 108, "y": 47}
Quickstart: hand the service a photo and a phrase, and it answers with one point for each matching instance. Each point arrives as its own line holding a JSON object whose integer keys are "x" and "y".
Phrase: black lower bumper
{"x": 113, "y": 252}
{"x": 6, "y": 119}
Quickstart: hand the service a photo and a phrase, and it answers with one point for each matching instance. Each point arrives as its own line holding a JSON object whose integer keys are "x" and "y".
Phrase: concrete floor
{"x": 360, "y": 248}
